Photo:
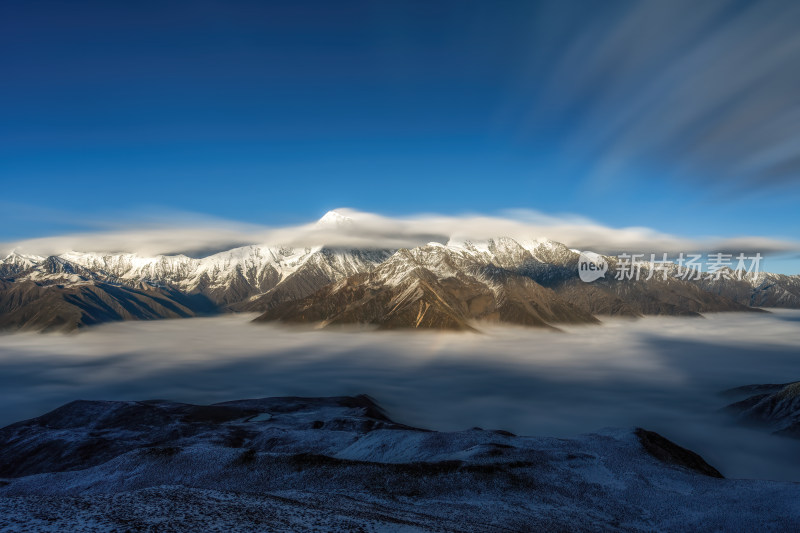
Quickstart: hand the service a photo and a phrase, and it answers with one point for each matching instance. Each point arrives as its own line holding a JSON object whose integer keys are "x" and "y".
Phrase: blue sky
{"x": 669, "y": 115}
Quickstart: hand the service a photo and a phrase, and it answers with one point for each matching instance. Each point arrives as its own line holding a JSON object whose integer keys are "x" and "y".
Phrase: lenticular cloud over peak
{"x": 345, "y": 227}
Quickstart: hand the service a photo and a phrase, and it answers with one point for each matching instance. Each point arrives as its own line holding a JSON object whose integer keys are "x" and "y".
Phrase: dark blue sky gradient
{"x": 274, "y": 112}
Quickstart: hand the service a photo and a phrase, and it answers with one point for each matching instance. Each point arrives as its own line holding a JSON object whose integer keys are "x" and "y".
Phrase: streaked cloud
{"x": 705, "y": 91}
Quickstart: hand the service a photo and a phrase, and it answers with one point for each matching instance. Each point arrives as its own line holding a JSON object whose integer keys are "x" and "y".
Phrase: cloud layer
{"x": 662, "y": 373}
{"x": 350, "y": 228}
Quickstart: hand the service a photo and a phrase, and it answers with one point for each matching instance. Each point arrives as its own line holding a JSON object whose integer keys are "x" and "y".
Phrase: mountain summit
{"x": 334, "y": 219}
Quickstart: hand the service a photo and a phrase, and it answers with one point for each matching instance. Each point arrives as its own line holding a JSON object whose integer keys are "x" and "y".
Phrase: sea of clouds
{"x": 661, "y": 373}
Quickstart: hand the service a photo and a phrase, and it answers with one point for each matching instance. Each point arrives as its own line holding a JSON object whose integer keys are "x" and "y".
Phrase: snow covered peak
{"x": 17, "y": 258}
{"x": 15, "y": 263}
{"x": 461, "y": 243}
{"x": 333, "y": 219}
{"x": 541, "y": 243}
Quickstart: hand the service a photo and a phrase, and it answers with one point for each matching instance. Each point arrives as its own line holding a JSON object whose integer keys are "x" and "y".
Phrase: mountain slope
{"x": 340, "y": 464}
{"x": 57, "y": 295}
{"x": 776, "y": 407}
{"x": 765, "y": 290}
{"x": 28, "y": 305}
{"x": 318, "y": 269}
{"x": 644, "y": 297}
{"x": 431, "y": 287}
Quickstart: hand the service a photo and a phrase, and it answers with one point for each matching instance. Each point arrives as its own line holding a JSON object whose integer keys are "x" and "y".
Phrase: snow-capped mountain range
{"x": 450, "y": 284}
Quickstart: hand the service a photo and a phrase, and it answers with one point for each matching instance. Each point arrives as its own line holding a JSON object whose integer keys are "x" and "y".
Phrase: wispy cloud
{"x": 197, "y": 235}
{"x": 708, "y": 89}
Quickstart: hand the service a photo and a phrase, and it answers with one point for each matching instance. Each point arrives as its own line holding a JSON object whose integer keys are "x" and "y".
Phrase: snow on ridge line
{"x": 256, "y": 259}
{"x": 246, "y": 251}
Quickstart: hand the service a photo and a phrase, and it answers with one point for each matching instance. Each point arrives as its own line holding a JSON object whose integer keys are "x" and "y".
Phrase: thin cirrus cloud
{"x": 708, "y": 89}
{"x": 198, "y": 236}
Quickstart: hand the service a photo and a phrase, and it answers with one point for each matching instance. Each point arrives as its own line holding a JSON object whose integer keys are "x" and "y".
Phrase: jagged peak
{"x": 531, "y": 244}
{"x": 461, "y": 243}
{"x": 14, "y": 256}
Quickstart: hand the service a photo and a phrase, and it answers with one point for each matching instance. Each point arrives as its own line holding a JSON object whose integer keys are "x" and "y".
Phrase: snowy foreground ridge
{"x": 320, "y": 464}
